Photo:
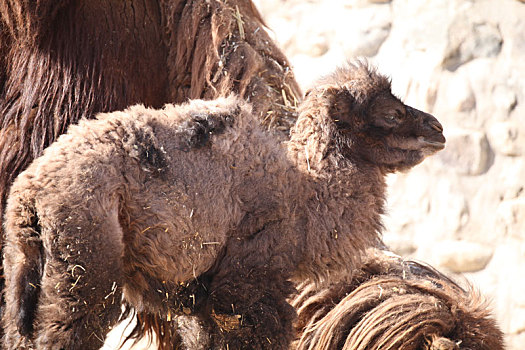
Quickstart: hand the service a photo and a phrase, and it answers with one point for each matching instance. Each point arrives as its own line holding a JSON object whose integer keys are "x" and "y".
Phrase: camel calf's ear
{"x": 340, "y": 103}
{"x": 343, "y": 108}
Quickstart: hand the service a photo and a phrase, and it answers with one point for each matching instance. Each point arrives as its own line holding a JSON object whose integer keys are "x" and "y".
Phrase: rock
{"x": 448, "y": 207}
{"x": 356, "y": 28}
{"x": 467, "y": 152}
{"x": 371, "y": 41}
{"x": 507, "y": 265}
{"x": 515, "y": 341}
{"x": 511, "y": 214}
{"x": 310, "y": 42}
{"x": 363, "y": 3}
{"x": 364, "y": 30}
{"x": 504, "y": 98}
{"x": 518, "y": 321}
{"x": 400, "y": 245}
{"x": 456, "y": 94}
{"x": 462, "y": 256}
{"x": 408, "y": 201}
{"x": 309, "y": 69}
{"x": 468, "y": 40}
{"x": 314, "y": 45}
{"x": 508, "y": 138}
{"x": 516, "y": 40}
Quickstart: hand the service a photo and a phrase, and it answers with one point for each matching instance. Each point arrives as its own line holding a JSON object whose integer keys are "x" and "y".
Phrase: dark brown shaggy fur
{"x": 391, "y": 304}
{"x": 141, "y": 202}
{"x": 61, "y": 61}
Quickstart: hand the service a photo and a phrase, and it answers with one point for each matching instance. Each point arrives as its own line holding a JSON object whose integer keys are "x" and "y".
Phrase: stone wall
{"x": 463, "y": 210}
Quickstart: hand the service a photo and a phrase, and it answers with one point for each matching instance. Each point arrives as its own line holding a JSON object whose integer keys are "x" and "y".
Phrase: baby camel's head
{"x": 372, "y": 125}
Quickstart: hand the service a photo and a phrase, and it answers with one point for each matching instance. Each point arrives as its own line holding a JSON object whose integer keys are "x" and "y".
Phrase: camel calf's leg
{"x": 81, "y": 284}
{"x": 23, "y": 265}
{"x": 254, "y": 287}
{"x": 250, "y": 308}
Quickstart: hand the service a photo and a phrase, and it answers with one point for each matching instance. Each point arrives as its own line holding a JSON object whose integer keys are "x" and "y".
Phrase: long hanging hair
{"x": 393, "y": 303}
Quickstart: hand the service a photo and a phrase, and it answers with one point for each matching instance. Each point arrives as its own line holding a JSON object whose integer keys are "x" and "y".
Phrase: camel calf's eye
{"x": 391, "y": 118}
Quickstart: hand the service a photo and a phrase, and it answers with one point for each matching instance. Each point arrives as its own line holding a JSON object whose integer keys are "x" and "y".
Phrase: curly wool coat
{"x": 61, "y": 61}
{"x": 140, "y": 201}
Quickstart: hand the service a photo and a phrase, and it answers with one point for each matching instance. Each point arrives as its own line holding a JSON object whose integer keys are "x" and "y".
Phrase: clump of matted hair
{"x": 393, "y": 303}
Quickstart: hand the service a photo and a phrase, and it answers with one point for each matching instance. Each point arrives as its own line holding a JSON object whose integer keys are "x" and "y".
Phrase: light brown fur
{"x": 141, "y": 201}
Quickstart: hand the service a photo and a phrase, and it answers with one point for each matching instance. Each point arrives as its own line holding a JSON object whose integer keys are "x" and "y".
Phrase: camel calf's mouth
{"x": 430, "y": 138}
{"x": 427, "y": 144}
{"x": 436, "y": 145}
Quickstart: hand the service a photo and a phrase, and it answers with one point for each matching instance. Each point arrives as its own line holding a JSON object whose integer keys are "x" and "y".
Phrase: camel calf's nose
{"x": 428, "y": 119}
{"x": 434, "y": 124}
{"x": 434, "y": 129}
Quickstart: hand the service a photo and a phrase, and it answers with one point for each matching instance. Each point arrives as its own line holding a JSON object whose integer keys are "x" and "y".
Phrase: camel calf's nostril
{"x": 434, "y": 124}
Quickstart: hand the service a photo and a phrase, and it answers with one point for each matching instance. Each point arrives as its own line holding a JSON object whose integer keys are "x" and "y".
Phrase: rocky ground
{"x": 463, "y": 61}
{"x": 462, "y": 211}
